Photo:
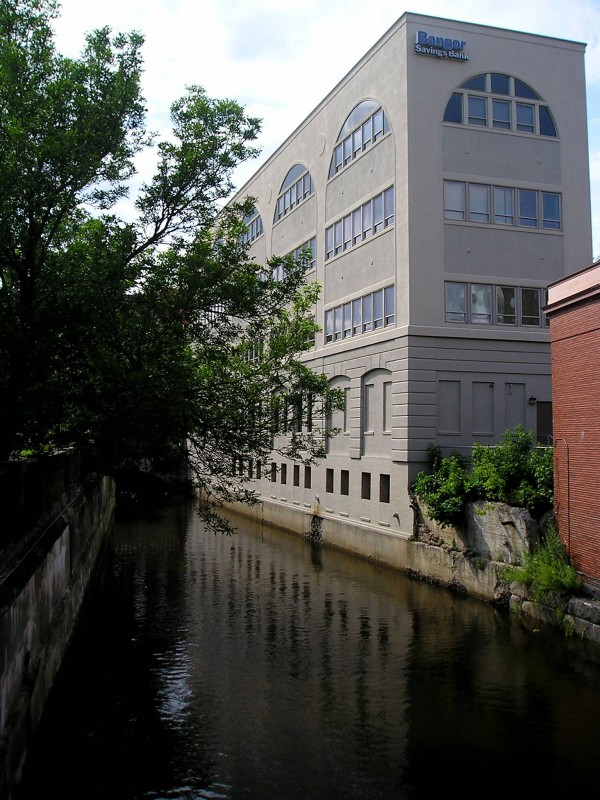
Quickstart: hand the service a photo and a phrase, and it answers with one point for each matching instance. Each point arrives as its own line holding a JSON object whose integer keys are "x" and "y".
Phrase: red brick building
{"x": 574, "y": 313}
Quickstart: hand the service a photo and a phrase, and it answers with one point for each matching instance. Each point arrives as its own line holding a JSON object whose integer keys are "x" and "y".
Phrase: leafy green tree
{"x": 156, "y": 343}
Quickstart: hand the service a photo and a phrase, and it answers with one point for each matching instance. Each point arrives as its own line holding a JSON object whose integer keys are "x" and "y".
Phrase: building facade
{"x": 574, "y": 310}
{"x": 441, "y": 185}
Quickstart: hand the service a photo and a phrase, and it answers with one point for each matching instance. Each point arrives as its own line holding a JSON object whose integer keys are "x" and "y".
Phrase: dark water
{"x": 258, "y": 666}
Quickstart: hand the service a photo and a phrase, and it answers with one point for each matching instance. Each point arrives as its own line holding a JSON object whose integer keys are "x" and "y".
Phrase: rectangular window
{"x": 501, "y": 114}
{"x": 307, "y": 477}
{"x": 337, "y": 323}
{"x": 378, "y": 213}
{"x": 389, "y": 305}
{"x": 551, "y": 210}
{"x": 296, "y": 474}
{"x": 344, "y": 482}
{"x": 283, "y": 473}
{"x": 367, "y": 132}
{"x": 357, "y": 142}
{"x": 506, "y": 311}
{"x": 477, "y": 110}
{"x": 367, "y": 219}
{"x": 357, "y": 226}
{"x": 338, "y": 236}
{"x": 530, "y": 307}
{"x": 258, "y": 469}
{"x": 273, "y": 471}
{"x": 367, "y": 314}
{"x": 347, "y": 320}
{"x": 328, "y": 243}
{"x": 525, "y": 117}
{"x": 329, "y": 325}
{"x": 329, "y": 480}
{"x": 338, "y": 157}
{"x": 365, "y": 486}
{"x": 481, "y": 303}
{"x": 384, "y": 488}
{"x": 504, "y": 206}
{"x": 388, "y": 206}
{"x": 377, "y": 125}
{"x": 454, "y": 200}
{"x": 347, "y": 150}
{"x": 528, "y": 208}
{"x": 378, "y": 309}
{"x": 357, "y": 316}
{"x": 456, "y": 302}
{"x": 479, "y": 203}
{"x": 347, "y": 231}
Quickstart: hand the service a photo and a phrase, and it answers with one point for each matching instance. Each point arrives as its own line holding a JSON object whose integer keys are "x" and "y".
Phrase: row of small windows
{"x": 309, "y": 249}
{"x": 254, "y": 227}
{"x": 369, "y": 124}
{"x": 498, "y": 112}
{"x": 361, "y": 223}
{"x": 344, "y": 480}
{"x": 296, "y": 188}
{"x": 502, "y": 205}
{"x": 367, "y": 313}
{"x": 483, "y": 303}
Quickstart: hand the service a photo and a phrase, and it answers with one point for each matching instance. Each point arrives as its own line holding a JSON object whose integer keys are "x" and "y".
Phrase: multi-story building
{"x": 442, "y": 185}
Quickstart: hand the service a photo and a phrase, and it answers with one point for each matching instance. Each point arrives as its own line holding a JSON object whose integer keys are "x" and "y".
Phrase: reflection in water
{"x": 265, "y": 666}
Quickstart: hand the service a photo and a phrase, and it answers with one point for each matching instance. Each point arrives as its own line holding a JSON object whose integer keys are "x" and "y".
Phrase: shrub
{"x": 546, "y": 571}
{"x": 515, "y": 472}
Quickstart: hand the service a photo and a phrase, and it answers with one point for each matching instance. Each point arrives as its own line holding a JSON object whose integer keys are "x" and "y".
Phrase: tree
{"x": 155, "y": 344}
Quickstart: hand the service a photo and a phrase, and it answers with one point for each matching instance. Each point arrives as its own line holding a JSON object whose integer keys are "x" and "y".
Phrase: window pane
{"x": 388, "y": 206}
{"x": 551, "y": 210}
{"x": 378, "y": 309}
{"x": 477, "y": 83}
{"x": 367, "y": 312}
{"x": 528, "y": 214}
{"x": 504, "y": 206}
{"x": 505, "y": 305}
{"x": 530, "y": 307}
{"x": 347, "y": 150}
{"x": 337, "y": 323}
{"x": 357, "y": 142}
{"x": 377, "y": 125}
{"x": 477, "y": 110}
{"x": 329, "y": 326}
{"x": 357, "y": 316}
{"x": 389, "y": 305}
{"x": 479, "y": 203}
{"x": 347, "y": 231}
{"x": 501, "y": 112}
{"x": 547, "y": 126}
{"x": 338, "y": 157}
{"x": 356, "y": 226}
{"x": 378, "y": 213}
{"x": 522, "y": 90}
{"x": 367, "y": 215}
{"x": 481, "y": 303}
{"x": 453, "y": 112}
{"x": 338, "y": 236}
{"x": 525, "y": 118}
{"x": 500, "y": 83}
{"x": 347, "y": 321}
{"x": 454, "y": 200}
{"x": 367, "y": 129}
{"x": 328, "y": 242}
{"x": 456, "y": 308}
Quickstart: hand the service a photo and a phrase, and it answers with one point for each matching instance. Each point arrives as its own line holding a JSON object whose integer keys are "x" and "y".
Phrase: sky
{"x": 280, "y": 59}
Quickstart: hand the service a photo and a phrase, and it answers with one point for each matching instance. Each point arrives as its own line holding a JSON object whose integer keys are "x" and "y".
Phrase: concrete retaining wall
{"x": 40, "y": 600}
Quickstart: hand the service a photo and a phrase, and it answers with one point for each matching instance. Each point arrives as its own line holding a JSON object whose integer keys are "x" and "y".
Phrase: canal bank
{"x": 50, "y": 546}
{"x": 472, "y": 561}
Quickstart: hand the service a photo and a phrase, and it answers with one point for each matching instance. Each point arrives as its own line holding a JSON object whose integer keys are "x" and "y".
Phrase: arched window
{"x": 295, "y": 189}
{"x": 366, "y": 124}
{"x": 495, "y": 100}
{"x": 254, "y": 227}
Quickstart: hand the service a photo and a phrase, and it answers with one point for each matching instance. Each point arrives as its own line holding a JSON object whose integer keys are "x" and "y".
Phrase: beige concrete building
{"x": 442, "y": 184}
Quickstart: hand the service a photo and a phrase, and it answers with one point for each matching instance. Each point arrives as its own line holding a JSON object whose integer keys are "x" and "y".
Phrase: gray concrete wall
{"x": 40, "y": 600}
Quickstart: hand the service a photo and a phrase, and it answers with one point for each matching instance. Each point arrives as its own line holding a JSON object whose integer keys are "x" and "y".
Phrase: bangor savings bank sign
{"x": 440, "y": 47}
